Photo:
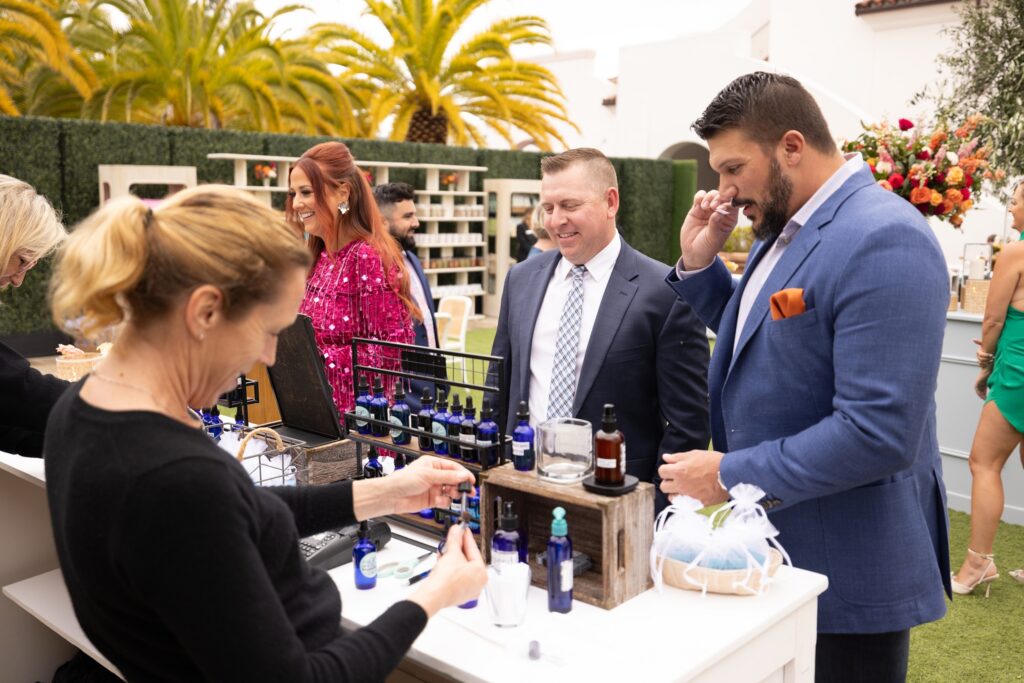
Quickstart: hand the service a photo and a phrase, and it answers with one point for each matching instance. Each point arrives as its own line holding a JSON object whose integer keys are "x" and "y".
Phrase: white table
{"x": 676, "y": 635}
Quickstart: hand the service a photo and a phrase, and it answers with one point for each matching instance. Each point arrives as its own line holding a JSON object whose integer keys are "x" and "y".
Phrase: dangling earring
{"x": 343, "y": 208}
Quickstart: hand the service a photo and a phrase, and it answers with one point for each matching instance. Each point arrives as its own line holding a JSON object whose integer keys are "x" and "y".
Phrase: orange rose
{"x": 920, "y": 195}
{"x": 953, "y": 195}
{"x": 956, "y": 220}
{"x": 936, "y": 198}
{"x": 966, "y": 205}
{"x": 955, "y": 175}
{"x": 969, "y": 166}
{"x": 937, "y": 139}
{"x": 945, "y": 207}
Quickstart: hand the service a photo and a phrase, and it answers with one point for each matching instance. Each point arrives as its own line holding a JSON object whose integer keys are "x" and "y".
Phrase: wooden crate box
{"x": 615, "y": 532}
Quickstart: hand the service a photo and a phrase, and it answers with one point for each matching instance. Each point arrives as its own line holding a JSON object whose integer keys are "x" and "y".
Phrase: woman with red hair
{"x": 357, "y": 285}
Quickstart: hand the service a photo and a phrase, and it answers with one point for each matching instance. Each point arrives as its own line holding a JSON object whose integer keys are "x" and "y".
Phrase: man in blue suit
{"x": 824, "y": 372}
{"x": 593, "y": 323}
{"x": 396, "y": 202}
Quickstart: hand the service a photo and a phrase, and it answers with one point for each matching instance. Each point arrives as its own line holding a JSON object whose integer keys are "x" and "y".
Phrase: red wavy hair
{"x": 330, "y": 164}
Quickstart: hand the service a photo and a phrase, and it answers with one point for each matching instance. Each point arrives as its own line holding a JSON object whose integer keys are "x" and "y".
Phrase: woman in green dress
{"x": 1001, "y": 425}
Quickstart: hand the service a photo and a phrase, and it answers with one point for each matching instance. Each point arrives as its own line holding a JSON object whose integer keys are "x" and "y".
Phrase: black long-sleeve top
{"x": 180, "y": 569}
{"x": 26, "y": 397}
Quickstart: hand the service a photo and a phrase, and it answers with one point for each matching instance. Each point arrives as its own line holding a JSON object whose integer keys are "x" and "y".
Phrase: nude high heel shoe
{"x": 967, "y": 589}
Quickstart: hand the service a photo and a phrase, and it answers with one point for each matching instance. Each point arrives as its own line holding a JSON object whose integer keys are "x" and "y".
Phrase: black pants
{"x": 862, "y": 658}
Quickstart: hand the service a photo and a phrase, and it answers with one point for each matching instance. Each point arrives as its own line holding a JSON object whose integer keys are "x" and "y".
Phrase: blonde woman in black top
{"x": 178, "y": 567}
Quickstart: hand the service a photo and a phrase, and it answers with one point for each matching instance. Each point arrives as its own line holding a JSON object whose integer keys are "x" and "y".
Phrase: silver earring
{"x": 343, "y": 208}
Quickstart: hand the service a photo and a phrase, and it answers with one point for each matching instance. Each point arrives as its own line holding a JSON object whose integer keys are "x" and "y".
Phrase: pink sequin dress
{"x": 348, "y": 296}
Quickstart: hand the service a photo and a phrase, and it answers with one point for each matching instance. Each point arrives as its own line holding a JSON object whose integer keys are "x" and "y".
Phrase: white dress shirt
{"x": 760, "y": 274}
{"x": 545, "y": 333}
{"x": 420, "y": 297}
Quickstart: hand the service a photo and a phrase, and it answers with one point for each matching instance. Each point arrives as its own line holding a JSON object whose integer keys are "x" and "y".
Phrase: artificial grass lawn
{"x": 979, "y": 640}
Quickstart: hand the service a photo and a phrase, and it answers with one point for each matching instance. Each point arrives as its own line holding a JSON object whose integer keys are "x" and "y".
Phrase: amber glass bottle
{"x": 610, "y": 449}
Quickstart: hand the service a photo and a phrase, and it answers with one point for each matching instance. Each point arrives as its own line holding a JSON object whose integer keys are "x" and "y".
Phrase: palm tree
{"x": 208, "y": 64}
{"x": 31, "y": 37}
{"x": 435, "y": 91}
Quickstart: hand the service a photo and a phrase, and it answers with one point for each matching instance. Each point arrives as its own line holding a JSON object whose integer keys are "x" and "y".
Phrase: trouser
{"x": 862, "y": 657}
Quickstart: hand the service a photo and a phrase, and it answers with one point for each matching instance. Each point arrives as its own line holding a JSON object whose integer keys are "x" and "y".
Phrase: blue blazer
{"x": 832, "y": 412}
{"x": 421, "y": 339}
{"x": 647, "y": 354}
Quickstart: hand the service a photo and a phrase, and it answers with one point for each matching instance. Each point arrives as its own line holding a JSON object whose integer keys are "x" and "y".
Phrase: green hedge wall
{"x": 59, "y": 157}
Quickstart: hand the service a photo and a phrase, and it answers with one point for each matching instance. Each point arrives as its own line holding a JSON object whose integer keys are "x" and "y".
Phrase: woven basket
{"x": 74, "y": 368}
{"x": 974, "y": 296}
{"x": 724, "y": 581}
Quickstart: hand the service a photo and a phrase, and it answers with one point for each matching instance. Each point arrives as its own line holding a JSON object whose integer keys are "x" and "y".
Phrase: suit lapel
{"x": 536, "y": 286}
{"x": 618, "y": 295}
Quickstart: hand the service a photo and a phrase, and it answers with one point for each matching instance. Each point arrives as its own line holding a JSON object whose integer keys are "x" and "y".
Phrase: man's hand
{"x": 706, "y": 228}
{"x": 694, "y": 474}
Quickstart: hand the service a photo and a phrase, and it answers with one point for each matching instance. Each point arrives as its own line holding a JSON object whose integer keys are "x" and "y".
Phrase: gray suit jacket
{"x": 647, "y": 354}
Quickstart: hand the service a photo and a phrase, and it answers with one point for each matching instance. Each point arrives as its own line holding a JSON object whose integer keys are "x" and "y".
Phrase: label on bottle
{"x": 520, "y": 447}
{"x": 484, "y": 442}
{"x": 567, "y": 575}
{"x": 368, "y": 565}
{"x": 503, "y": 558}
{"x": 606, "y": 463}
{"x": 439, "y": 430}
{"x": 361, "y": 411}
{"x": 467, "y": 438}
{"x": 623, "y": 462}
{"x": 456, "y": 506}
{"x": 397, "y": 433}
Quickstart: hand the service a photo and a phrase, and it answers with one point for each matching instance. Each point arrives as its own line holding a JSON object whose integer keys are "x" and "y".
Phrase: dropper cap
{"x": 377, "y": 386}
{"x": 456, "y": 405}
{"x": 469, "y": 410}
{"x": 399, "y": 391}
{"x": 486, "y": 413}
{"x": 363, "y": 384}
{"x": 372, "y": 455}
{"x": 609, "y": 423}
{"x": 559, "y": 527}
{"x": 509, "y": 519}
{"x": 524, "y": 411}
{"x": 427, "y": 399}
{"x": 442, "y": 401}
{"x": 364, "y": 530}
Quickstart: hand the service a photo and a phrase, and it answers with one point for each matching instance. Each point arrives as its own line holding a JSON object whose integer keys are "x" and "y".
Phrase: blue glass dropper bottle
{"x": 364, "y": 559}
{"x": 523, "y": 457}
{"x": 363, "y": 406}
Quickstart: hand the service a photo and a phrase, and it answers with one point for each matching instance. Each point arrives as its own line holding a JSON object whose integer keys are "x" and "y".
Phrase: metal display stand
{"x": 477, "y": 375}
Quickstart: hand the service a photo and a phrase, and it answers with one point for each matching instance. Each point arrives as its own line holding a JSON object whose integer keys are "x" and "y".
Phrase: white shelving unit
{"x": 451, "y": 243}
{"x": 503, "y": 229}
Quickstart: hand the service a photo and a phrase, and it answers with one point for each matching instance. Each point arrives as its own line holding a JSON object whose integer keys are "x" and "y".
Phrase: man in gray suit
{"x": 593, "y": 323}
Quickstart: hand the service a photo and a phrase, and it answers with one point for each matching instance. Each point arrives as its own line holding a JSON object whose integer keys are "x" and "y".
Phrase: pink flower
{"x": 906, "y": 124}
{"x": 896, "y": 181}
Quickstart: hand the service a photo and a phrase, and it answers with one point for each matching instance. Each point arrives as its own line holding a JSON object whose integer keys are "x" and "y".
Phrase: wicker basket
{"x": 285, "y": 461}
{"x": 74, "y": 368}
{"x": 974, "y": 296}
{"x": 724, "y": 581}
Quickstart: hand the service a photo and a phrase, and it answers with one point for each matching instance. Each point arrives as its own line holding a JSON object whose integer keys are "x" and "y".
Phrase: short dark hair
{"x": 389, "y": 194}
{"x": 764, "y": 106}
{"x": 600, "y": 165}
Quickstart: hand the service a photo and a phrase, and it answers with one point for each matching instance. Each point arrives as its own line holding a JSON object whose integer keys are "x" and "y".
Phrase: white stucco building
{"x": 861, "y": 60}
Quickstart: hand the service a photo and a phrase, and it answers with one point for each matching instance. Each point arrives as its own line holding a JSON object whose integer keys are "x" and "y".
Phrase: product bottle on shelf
{"x": 364, "y": 559}
{"x": 610, "y": 449}
{"x": 454, "y": 423}
{"x": 363, "y": 405}
{"x": 216, "y": 421}
{"x": 474, "y": 510}
{"x": 439, "y": 423}
{"x": 487, "y": 436}
{"x": 400, "y": 416}
{"x": 426, "y": 419}
{"x": 559, "y": 561}
{"x": 467, "y": 432}
{"x": 378, "y": 409}
{"x": 506, "y": 544}
{"x": 523, "y": 456}
{"x": 400, "y": 461}
{"x": 372, "y": 467}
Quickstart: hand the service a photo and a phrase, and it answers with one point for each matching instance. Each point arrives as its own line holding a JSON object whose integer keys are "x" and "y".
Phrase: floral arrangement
{"x": 449, "y": 179}
{"x": 265, "y": 171}
{"x": 937, "y": 172}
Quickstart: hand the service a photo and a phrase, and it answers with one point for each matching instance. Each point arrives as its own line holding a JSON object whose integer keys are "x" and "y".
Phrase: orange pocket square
{"x": 787, "y": 303}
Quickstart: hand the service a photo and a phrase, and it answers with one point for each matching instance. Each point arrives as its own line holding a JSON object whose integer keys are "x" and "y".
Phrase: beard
{"x": 407, "y": 242}
{"x": 775, "y": 209}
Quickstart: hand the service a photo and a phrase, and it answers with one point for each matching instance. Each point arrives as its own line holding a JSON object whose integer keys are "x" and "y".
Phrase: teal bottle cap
{"x": 559, "y": 527}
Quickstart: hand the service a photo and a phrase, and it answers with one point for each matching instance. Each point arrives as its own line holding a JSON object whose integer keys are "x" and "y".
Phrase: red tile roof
{"x": 869, "y": 6}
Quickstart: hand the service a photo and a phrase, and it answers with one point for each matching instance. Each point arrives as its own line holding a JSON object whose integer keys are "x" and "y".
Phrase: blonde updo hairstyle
{"x": 29, "y": 225}
{"x": 537, "y": 223}
{"x": 127, "y": 262}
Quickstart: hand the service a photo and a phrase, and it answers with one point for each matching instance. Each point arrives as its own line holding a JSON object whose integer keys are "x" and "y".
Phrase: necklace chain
{"x": 137, "y": 387}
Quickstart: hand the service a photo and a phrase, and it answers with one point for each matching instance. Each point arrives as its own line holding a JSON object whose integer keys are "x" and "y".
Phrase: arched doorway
{"x": 707, "y": 179}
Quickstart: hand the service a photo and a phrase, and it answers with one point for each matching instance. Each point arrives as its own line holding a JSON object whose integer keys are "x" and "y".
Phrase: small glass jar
{"x": 565, "y": 450}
